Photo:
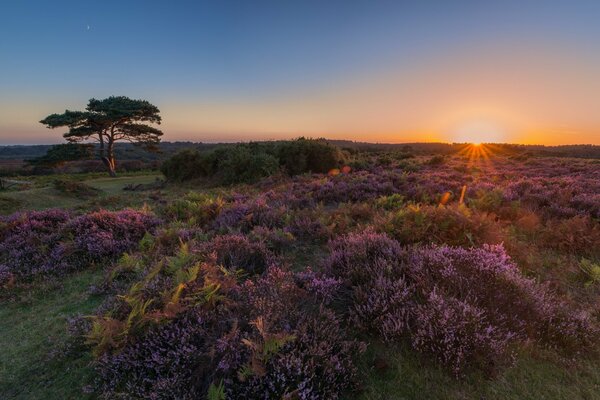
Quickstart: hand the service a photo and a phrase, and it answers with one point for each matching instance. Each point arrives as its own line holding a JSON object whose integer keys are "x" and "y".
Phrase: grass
{"x": 113, "y": 186}
{"x": 33, "y": 324}
{"x": 43, "y": 195}
{"x": 408, "y": 377}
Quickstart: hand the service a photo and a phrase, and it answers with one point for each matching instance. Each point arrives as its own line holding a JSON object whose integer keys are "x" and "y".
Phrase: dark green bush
{"x": 186, "y": 165}
{"x": 247, "y": 163}
{"x": 243, "y": 164}
{"x": 309, "y": 155}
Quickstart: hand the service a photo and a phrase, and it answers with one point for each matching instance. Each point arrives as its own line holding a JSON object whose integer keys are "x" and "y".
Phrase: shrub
{"x": 314, "y": 360}
{"x": 235, "y": 251}
{"x": 103, "y": 235}
{"x": 53, "y": 242}
{"x": 243, "y": 164}
{"x": 194, "y": 208}
{"x": 186, "y": 165}
{"x": 457, "y": 334}
{"x": 452, "y": 225}
{"x": 309, "y": 155}
{"x": 227, "y": 165}
{"x": 438, "y": 159}
{"x": 463, "y": 306}
{"x": 264, "y": 338}
{"x": 27, "y": 240}
{"x": 384, "y": 306}
{"x": 169, "y": 362}
{"x": 360, "y": 257}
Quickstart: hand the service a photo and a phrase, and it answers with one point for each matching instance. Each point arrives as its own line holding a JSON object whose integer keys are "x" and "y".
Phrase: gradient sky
{"x": 389, "y": 71}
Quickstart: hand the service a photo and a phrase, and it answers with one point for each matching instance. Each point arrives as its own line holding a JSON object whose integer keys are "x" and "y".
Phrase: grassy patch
{"x": 31, "y": 327}
{"x": 113, "y": 186}
{"x": 42, "y": 197}
{"x": 406, "y": 376}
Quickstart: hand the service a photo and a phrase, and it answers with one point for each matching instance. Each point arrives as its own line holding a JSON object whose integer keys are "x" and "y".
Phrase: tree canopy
{"x": 108, "y": 121}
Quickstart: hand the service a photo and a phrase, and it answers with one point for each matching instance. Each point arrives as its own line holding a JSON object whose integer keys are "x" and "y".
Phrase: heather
{"x": 391, "y": 273}
{"x": 54, "y": 242}
{"x": 191, "y": 322}
{"x": 465, "y": 307}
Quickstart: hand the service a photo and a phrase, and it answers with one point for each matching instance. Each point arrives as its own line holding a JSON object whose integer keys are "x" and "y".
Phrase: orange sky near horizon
{"x": 504, "y": 96}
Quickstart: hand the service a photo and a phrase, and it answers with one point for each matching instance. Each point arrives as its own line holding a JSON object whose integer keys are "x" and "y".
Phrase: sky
{"x": 523, "y": 71}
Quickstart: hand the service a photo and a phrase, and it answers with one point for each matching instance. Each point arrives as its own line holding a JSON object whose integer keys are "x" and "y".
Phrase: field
{"x": 473, "y": 275}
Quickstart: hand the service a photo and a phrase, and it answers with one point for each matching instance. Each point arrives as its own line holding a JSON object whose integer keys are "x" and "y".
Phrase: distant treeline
{"x": 128, "y": 151}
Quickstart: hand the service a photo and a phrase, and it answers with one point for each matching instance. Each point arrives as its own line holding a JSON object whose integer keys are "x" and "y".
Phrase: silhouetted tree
{"x": 108, "y": 121}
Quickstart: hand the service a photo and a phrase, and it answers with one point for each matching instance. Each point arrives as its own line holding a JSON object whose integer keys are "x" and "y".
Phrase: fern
{"x": 216, "y": 392}
{"x": 591, "y": 270}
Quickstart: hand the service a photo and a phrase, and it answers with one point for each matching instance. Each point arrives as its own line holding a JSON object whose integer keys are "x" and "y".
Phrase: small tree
{"x": 108, "y": 121}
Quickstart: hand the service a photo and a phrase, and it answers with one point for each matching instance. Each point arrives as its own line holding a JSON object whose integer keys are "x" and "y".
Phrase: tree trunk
{"x": 109, "y": 160}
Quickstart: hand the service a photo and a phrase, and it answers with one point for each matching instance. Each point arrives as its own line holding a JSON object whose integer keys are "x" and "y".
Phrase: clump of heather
{"x": 314, "y": 357}
{"x": 457, "y": 334}
{"x": 460, "y": 305}
{"x": 314, "y": 360}
{"x": 322, "y": 286}
{"x": 384, "y": 305}
{"x": 28, "y": 238}
{"x": 308, "y": 227}
{"x": 360, "y": 256}
{"x": 276, "y": 240}
{"x": 236, "y": 251}
{"x": 55, "y": 242}
{"x": 105, "y": 234}
{"x": 170, "y": 361}
{"x": 245, "y": 215}
{"x": 264, "y": 337}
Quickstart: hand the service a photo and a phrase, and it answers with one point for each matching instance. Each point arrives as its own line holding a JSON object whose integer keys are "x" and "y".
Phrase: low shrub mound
{"x": 237, "y": 252}
{"x": 55, "y": 241}
{"x": 465, "y": 307}
{"x": 452, "y": 225}
{"x": 190, "y": 326}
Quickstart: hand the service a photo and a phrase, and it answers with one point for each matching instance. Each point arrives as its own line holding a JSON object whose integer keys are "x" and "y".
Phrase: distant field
{"x": 43, "y": 195}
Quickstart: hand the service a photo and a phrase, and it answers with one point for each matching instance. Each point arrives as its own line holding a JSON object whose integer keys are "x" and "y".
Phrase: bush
{"x": 247, "y": 163}
{"x": 452, "y": 225}
{"x": 309, "y": 155}
{"x": 243, "y": 164}
{"x": 194, "y": 208}
{"x": 463, "y": 306}
{"x": 237, "y": 252}
{"x": 260, "y": 338}
{"x": 186, "y": 165}
{"x": 54, "y": 242}
{"x": 457, "y": 334}
{"x": 104, "y": 235}
{"x": 27, "y": 240}
{"x": 169, "y": 362}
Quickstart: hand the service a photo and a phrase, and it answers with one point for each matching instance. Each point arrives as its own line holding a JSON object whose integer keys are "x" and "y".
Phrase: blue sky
{"x": 240, "y": 70}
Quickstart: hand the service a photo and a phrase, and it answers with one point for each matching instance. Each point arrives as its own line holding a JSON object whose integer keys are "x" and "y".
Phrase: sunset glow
{"x": 385, "y": 72}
